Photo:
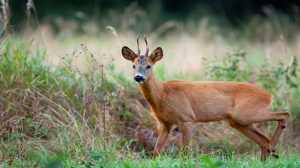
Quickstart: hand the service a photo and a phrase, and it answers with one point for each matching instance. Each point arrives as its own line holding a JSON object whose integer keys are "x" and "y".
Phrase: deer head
{"x": 142, "y": 64}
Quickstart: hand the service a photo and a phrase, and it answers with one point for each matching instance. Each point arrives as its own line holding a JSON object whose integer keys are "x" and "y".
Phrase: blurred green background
{"x": 230, "y": 14}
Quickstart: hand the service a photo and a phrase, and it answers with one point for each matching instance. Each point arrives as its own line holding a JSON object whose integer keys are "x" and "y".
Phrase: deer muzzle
{"x": 139, "y": 79}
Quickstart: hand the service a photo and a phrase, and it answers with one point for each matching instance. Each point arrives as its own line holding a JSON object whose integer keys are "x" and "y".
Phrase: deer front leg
{"x": 163, "y": 135}
{"x": 187, "y": 133}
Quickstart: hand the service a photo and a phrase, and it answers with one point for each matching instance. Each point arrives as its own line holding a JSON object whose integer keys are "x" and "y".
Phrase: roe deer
{"x": 185, "y": 102}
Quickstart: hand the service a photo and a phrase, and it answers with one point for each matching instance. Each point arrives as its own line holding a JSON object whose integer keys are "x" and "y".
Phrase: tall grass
{"x": 71, "y": 101}
{"x": 60, "y": 114}
{"x": 50, "y": 112}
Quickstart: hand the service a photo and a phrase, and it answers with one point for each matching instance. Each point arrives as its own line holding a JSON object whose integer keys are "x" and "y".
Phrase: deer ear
{"x": 128, "y": 53}
{"x": 156, "y": 55}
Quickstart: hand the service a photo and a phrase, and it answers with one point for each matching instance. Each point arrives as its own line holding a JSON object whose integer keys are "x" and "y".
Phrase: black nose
{"x": 139, "y": 78}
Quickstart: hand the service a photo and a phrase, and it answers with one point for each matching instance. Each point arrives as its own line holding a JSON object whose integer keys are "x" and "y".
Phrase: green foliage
{"x": 54, "y": 115}
{"x": 21, "y": 67}
{"x": 197, "y": 161}
{"x": 160, "y": 72}
{"x": 280, "y": 79}
{"x": 212, "y": 162}
{"x": 231, "y": 68}
{"x": 29, "y": 86}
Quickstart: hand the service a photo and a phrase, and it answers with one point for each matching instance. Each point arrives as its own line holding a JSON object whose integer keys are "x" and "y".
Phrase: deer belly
{"x": 213, "y": 111}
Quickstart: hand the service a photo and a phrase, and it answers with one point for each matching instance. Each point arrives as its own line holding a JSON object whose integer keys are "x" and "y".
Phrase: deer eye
{"x": 148, "y": 67}
{"x": 133, "y": 66}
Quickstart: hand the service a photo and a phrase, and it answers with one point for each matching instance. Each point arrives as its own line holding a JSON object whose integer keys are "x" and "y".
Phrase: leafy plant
{"x": 231, "y": 67}
{"x": 277, "y": 79}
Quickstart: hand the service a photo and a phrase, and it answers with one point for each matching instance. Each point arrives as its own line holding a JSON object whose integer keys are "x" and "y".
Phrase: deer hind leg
{"x": 251, "y": 116}
{"x": 282, "y": 118}
{"x": 252, "y": 133}
{"x": 163, "y": 135}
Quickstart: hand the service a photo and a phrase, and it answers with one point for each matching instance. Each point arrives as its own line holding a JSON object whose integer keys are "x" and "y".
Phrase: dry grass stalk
{"x": 5, "y": 13}
{"x": 95, "y": 96}
{"x": 30, "y": 5}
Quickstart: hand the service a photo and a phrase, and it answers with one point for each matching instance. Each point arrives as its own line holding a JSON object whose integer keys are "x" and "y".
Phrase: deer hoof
{"x": 275, "y": 155}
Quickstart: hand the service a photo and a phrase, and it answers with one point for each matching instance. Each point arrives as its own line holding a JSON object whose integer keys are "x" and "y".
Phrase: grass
{"x": 199, "y": 161}
{"x": 108, "y": 159}
{"x": 53, "y": 115}
{"x": 70, "y": 101}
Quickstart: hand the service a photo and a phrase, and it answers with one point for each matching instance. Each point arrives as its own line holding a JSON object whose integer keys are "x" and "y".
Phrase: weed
{"x": 90, "y": 114}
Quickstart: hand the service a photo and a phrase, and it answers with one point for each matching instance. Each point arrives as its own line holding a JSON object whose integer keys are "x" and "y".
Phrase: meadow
{"x": 68, "y": 99}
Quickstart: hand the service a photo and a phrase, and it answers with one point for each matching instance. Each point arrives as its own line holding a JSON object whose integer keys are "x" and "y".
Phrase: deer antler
{"x": 147, "y": 47}
{"x": 137, "y": 43}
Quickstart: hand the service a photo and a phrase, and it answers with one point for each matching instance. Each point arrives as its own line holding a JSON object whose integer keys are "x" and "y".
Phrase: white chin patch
{"x": 140, "y": 82}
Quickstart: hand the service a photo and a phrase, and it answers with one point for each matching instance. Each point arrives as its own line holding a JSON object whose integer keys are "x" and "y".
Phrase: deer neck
{"x": 152, "y": 91}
